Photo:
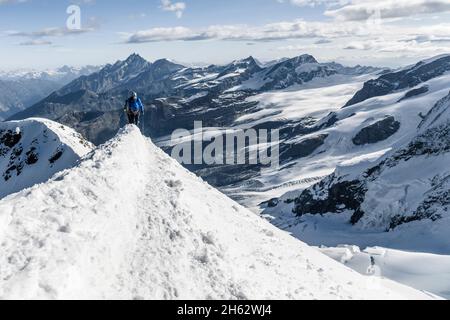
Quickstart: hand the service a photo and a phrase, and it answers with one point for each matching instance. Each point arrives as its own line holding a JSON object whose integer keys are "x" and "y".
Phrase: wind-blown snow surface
{"x": 309, "y": 102}
{"x": 130, "y": 223}
{"x": 423, "y": 271}
{"x": 338, "y": 148}
{"x": 403, "y": 204}
{"x": 33, "y": 150}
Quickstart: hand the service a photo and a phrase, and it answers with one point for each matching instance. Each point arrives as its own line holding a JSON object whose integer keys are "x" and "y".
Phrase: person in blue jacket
{"x": 134, "y": 108}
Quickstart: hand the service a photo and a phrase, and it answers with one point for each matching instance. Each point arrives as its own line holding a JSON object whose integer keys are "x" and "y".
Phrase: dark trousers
{"x": 133, "y": 118}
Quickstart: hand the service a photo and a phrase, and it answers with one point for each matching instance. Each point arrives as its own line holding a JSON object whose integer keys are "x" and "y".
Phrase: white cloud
{"x": 177, "y": 7}
{"x": 50, "y": 32}
{"x": 298, "y": 29}
{"x": 11, "y": 1}
{"x": 392, "y": 40}
{"x": 314, "y": 3}
{"x": 409, "y": 47}
{"x": 358, "y": 10}
{"x": 39, "y": 37}
{"x": 161, "y": 34}
{"x": 36, "y": 43}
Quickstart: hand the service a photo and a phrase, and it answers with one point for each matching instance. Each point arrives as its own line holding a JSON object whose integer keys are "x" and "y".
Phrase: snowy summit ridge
{"x": 32, "y": 150}
{"x": 128, "y": 222}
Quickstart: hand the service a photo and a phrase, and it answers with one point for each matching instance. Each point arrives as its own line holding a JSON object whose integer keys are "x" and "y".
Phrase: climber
{"x": 134, "y": 108}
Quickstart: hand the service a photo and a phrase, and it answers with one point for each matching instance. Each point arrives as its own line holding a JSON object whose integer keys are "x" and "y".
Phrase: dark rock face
{"x": 10, "y": 143}
{"x": 408, "y": 78}
{"x": 272, "y": 203}
{"x": 226, "y": 175}
{"x": 293, "y": 71}
{"x": 154, "y": 80}
{"x": 377, "y": 132}
{"x": 435, "y": 203}
{"x": 33, "y": 150}
{"x": 337, "y": 193}
{"x": 301, "y": 149}
{"x": 372, "y": 88}
{"x": 247, "y": 66}
{"x": 8, "y": 173}
{"x": 10, "y": 138}
{"x": 415, "y": 93}
{"x": 58, "y": 154}
{"x": 329, "y": 121}
{"x": 330, "y": 197}
{"x": 109, "y": 77}
{"x": 32, "y": 156}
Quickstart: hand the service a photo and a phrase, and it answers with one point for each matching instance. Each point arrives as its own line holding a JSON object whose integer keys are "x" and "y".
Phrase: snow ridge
{"x": 32, "y": 150}
{"x": 130, "y": 223}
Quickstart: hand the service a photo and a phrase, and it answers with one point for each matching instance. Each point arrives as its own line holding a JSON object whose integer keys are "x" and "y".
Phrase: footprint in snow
{"x": 208, "y": 238}
{"x": 65, "y": 229}
{"x": 174, "y": 184}
{"x": 268, "y": 233}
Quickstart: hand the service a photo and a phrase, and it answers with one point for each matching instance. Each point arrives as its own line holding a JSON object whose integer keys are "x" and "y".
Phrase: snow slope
{"x": 32, "y": 150}
{"x": 130, "y": 223}
{"x": 408, "y": 185}
{"x": 339, "y": 149}
{"x": 293, "y": 111}
{"x": 424, "y": 271}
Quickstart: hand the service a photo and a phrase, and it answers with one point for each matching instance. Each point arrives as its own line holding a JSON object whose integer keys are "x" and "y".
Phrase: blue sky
{"x": 377, "y": 32}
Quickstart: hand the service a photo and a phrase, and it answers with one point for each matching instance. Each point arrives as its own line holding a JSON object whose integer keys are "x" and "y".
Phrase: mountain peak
{"x": 165, "y": 61}
{"x": 164, "y": 67}
{"x": 407, "y": 77}
{"x": 135, "y": 59}
{"x": 250, "y": 59}
{"x": 305, "y": 58}
{"x": 65, "y": 68}
{"x": 33, "y": 150}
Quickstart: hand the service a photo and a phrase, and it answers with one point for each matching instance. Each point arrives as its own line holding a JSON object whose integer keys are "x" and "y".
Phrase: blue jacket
{"x": 135, "y": 105}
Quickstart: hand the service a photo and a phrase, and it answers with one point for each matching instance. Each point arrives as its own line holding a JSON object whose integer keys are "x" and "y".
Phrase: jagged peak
{"x": 423, "y": 62}
{"x": 305, "y": 58}
{"x": 165, "y": 61}
{"x": 250, "y": 59}
{"x": 135, "y": 57}
{"x": 438, "y": 114}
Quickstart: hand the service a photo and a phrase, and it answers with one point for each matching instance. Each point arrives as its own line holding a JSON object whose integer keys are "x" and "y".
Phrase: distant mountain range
{"x": 367, "y": 146}
{"x": 171, "y": 91}
{"x": 364, "y": 152}
{"x": 64, "y": 74}
{"x": 175, "y": 96}
{"x": 21, "y": 89}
